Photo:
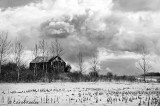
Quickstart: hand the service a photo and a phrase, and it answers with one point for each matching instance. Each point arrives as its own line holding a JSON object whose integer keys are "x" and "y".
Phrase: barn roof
{"x": 41, "y": 59}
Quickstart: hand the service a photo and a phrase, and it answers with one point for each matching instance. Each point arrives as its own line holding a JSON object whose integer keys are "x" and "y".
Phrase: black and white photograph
{"x": 79, "y": 52}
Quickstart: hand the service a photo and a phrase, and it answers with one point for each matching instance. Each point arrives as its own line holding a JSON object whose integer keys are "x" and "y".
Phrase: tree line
{"x": 17, "y": 71}
{"x": 9, "y": 74}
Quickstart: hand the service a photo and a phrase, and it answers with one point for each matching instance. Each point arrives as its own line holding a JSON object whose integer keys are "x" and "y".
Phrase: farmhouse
{"x": 55, "y": 64}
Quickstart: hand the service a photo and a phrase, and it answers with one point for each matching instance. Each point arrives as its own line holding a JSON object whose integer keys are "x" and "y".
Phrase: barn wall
{"x": 54, "y": 65}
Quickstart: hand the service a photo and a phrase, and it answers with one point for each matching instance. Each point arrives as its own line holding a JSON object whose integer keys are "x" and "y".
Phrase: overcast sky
{"x": 113, "y": 29}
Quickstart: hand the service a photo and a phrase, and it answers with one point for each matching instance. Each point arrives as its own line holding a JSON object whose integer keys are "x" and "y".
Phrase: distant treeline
{"x": 9, "y": 74}
{"x": 151, "y": 74}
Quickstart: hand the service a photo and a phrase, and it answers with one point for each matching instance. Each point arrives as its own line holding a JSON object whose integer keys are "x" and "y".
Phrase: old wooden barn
{"x": 55, "y": 64}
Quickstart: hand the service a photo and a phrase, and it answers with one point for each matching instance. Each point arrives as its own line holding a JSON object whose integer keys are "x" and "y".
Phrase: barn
{"x": 55, "y": 64}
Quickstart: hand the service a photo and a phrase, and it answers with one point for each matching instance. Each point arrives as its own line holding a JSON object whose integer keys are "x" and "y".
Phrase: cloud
{"x": 56, "y": 29}
{"x": 120, "y": 66}
{"x": 104, "y": 55}
{"x": 136, "y": 5}
{"x": 9, "y": 3}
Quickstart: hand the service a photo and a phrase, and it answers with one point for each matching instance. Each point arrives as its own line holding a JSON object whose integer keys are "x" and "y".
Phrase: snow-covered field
{"x": 78, "y": 94}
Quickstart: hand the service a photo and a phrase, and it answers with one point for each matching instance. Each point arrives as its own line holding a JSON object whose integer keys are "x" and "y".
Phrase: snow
{"x": 78, "y": 94}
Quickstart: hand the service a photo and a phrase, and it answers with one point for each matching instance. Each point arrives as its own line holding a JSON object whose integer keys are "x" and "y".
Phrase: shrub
{"x": 75, "y": 76}
{"x": 109, "y": 76}
{"x": 131, "y": 78}
{"x": 68, "y": 68}
{"x": 158, "y": 80}
{"x": 94, "y": 75}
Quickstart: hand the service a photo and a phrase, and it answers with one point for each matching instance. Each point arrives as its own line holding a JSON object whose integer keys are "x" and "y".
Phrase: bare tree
{"x": 5, "y": 46}
{"x": 44, "y": 51}
{"x": 18, "y": 52}
{"x": 94, "y": 71}
{"x": 58, "y": 48}
{"x": 52, "y": 49}
{"x": 94, "y": 63}
{"x": 144, "y": 63}
{"x": 80, "y": 61}
{"x": 35, "y": 53}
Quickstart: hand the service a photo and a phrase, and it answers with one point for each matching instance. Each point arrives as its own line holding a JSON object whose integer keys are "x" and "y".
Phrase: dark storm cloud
{"x": 15, "y": 3}
{"x": 85, "y": 26}
{"x": 89, "y": 39}
{"x": 86, "y": 37}
{"x": 79, "y": 21}
{"x": 73, "y": 30}
{"x": 87, "y": 52}
{"x": 137, "y": 5}
{"x": 120, "y": 66}
{"x": 135, "y": 44}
